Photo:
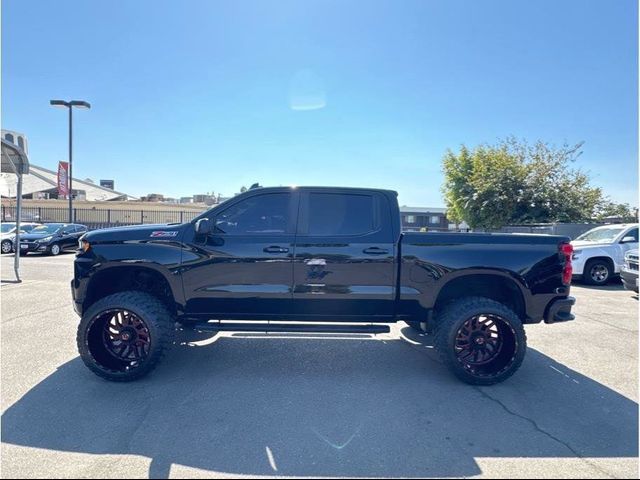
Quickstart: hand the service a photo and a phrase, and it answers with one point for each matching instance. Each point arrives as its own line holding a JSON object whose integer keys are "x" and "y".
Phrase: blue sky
{"x": 197, "y": 96}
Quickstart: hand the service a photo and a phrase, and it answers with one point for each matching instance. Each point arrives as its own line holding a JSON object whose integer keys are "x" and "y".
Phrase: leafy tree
{"x": 514, "y": 182}
{"x": 607, "y": 208}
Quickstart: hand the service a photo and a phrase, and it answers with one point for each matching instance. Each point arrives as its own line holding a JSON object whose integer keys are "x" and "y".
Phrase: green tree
{"x": 607, "y": 208}
{"x": 514, "y": 182}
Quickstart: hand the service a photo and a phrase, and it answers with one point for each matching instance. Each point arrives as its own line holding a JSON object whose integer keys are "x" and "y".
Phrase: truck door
{"x": 243, "y": 268}
{"x": 344, "y": 265}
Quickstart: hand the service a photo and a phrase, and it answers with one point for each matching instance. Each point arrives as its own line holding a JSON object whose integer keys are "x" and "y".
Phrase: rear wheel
{"x": 122, "y": 337}
{"x": 481, "y": 341}
{"x": 598, "y": 271}
{"x": 6, "y": 246}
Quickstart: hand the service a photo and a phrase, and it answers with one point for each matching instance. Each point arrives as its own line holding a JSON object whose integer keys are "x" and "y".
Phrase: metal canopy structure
{"x": 15, "y": 160}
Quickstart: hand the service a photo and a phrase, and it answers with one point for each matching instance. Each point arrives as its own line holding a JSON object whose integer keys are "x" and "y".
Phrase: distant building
{"x": 205, "y": 198}
{"x": 110, "y": 184}
{"x": 153, "y": 197}
{"x": 16, "y": 138}
{"x": 430, "y": 218}
{"x": 186, "y": 199}
{"x": 42, "y": 183}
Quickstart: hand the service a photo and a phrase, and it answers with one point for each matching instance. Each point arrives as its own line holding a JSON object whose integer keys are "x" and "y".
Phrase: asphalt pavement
{"x": 232, "y": 405}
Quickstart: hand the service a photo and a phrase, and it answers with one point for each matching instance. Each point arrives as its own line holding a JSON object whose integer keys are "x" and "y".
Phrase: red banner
{"x": 63, "y": 179}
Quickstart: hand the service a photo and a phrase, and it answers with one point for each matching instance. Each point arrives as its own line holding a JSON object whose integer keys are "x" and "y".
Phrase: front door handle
{"x": 275, "y": 249}
{"x": 375, "y": 251}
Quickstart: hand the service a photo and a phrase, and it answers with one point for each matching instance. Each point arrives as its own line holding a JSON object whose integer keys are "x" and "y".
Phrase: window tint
{"x": 340, "y": 214}
{"x": 260, "y": 214}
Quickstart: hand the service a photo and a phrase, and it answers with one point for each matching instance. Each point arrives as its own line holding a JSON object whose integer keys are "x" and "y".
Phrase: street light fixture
{"x": 70, "y": 105}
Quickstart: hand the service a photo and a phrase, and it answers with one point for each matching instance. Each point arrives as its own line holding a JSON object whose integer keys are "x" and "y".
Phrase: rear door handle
{"x": 275, "y": 249}
{"x": 375, "y": 251}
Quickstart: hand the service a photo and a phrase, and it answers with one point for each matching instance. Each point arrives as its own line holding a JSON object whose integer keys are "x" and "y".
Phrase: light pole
{"x": 70, "y": 105}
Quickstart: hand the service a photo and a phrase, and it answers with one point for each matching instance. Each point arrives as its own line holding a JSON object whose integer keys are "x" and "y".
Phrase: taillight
{"x": 566, "y": 250}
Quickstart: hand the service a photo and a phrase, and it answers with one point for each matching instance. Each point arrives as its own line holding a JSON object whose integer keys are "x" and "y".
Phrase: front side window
{"x": 601, "y": 235}
{"x": 340, "y": 214}
{"x": 633, "y": 233}
{"x": 260, "y": 214}
{"x": 52, "y": 228}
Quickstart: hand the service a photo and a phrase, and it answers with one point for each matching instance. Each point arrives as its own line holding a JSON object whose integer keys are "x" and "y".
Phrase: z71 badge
{"x": 162, "y": 233}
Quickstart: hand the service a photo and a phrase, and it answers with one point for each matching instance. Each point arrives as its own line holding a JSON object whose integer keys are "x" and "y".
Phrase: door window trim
{"x": 291, "y": 220}
{"x": 303, "y": 216}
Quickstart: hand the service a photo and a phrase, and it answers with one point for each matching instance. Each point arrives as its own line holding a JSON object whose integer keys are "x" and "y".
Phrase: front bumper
{"x": 27, "y": 247}
{"x": 629, "y": 279}
{"x": 560, "y": 310}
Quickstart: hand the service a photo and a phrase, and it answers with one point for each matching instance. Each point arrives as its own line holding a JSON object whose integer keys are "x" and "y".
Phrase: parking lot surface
{"x": 232, "y": 405}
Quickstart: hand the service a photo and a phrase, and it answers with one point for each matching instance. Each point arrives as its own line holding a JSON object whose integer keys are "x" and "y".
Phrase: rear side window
{"x": 340, "y": 214}
{"x": 260, "y": 214}
{"x": 633, "y": 233}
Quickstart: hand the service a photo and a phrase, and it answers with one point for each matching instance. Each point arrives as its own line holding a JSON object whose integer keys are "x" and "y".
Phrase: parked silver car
{"x": 9, "y": 234}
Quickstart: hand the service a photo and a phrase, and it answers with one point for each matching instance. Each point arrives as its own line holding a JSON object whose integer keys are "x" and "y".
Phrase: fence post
{"x": 109, "y": 216}
{"x": 181, "y": 221}
{"x": 75, "y": 215}
{"x": 141, "y": 216}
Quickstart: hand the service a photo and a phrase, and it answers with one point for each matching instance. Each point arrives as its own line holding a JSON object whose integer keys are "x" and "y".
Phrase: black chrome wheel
{"x": 122, "y": 337}
{"x": 126, "y": 336}
{"x": 482, "y": 341}
{"x": 485, "y": 345}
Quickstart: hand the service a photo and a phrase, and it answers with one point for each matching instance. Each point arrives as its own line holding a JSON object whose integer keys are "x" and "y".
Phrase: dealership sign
{"x": 63, "y": 179}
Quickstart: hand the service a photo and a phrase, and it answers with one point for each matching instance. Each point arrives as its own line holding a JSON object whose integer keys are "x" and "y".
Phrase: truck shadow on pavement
{"x": 315, "y": 406}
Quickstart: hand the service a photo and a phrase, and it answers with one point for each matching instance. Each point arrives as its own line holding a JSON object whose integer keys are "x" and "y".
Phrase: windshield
{"x": 8, "y": 227}
{"x": 46, "y": 229}
{"x": 601, "y": 235}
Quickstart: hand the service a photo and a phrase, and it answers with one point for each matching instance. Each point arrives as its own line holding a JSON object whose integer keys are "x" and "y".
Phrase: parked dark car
{"x": 629, "y": 271}
{"x": 309, "y": 256}
{"x": 52, "y": 238}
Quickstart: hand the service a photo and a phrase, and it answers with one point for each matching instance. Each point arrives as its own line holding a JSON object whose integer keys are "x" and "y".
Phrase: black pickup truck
{"x": 315, "y": 259}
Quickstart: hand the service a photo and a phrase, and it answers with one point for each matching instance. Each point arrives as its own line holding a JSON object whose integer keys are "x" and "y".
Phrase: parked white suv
{"x": 598, "y": 254}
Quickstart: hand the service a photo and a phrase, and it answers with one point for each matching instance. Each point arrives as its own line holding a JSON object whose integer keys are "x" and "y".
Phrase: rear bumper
{"x": 560, "y": 310}
{"x": 629, "y": 279}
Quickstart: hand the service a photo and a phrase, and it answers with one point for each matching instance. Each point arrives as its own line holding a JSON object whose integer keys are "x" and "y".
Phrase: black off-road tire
{"x": 594, "y": 272}
{"x": 159, "y": 328}
{"x": 454, "y": 323}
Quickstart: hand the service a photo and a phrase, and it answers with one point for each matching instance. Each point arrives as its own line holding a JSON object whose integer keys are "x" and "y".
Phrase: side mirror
{"x": 203, "y": 226}
{"x": 628, "y": 239}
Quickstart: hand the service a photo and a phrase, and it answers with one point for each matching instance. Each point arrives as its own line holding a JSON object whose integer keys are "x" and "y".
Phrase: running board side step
{"x": 288, "y": 327}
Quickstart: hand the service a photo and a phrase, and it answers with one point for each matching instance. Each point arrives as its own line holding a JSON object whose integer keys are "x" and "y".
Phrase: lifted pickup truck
{"x": 315, "y": 260}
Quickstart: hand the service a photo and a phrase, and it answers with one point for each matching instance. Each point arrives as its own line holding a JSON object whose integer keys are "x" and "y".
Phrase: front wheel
{"x": 54, "y": 249}
{"x": 6, "y": 246}
{"x": 124, "y": 336}
{"x": 481, "y": 341}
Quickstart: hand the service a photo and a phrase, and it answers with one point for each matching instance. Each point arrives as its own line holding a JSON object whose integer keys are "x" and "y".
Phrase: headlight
{"x": 46, "y": 239}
